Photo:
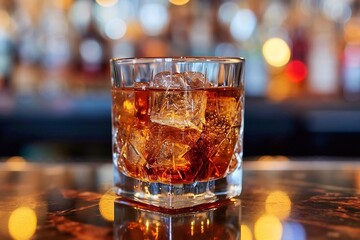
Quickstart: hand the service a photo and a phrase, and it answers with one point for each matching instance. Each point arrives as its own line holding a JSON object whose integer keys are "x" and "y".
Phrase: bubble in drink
{"x": 177, "y": 132}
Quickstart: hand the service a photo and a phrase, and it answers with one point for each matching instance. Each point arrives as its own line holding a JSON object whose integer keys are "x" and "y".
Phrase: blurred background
{"x": 302, "y": 73}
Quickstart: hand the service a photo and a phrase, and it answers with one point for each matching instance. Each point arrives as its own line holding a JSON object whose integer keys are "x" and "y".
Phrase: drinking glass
{"x": 177, "y": 129}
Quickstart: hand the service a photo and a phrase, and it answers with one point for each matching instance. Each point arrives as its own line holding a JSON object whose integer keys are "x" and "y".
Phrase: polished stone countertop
{"x": 289, "y": 200}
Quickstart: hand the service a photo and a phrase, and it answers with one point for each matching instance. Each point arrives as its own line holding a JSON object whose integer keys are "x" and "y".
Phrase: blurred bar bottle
{"x": 296, "y": 70}
{"x": 323, "y": 57}
{"x": 92, "y": 51}
{"x": 6, "y": 59}
{"x": 351, "y": 56}
{"x": 6, "y": 46}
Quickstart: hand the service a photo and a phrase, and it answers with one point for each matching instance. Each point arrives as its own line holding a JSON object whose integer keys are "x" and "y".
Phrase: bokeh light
{"x": 293, "y": 231}
{"x": 106, "y": 206}
{"x": 339, "y": 11}
{"x": 245, "y": 233}
{"x": 5, "y": 19}
{"x": 243, "y": 24}
{"x": 179, "y": 2}
{"x": 106, "y": 3}
{"x": 278, "y": 204}
{"x": 322, "y": 65}
{"x": 296, "y": 71}
{"x": 351, "y": 70}
{"x": 275, "y": 14}
{"x": 153, "y": 18}
{"x": 276, "y": 52}
{"x": 352, "y": 31}
{"x": 279, "y": 88}
{"x": 227, "y": 11}
{"x": 115, "y": 28}
{"x": 102, "y": 15}
{"x": 63, "y": 4}
{"x": 352, "y": 55}
{"x": 16, "y": 163}
{"x": 270, "y": 158}
{"x": 80, "y": 14}
{"x": 126, "y": 9}
{"x": 22, "y": 223}
{"x": 268, "y": 227}
{"x": 16, "y": 159}
{"x": 91, "y": 51}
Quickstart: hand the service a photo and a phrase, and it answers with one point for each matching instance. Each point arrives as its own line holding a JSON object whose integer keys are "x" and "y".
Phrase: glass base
{"x": 177, "y": 196}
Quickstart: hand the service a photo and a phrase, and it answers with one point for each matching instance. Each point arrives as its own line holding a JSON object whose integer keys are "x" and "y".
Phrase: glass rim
{"x": 182, "y": 59}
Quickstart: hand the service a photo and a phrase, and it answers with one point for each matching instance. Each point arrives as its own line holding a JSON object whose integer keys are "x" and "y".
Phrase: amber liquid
{"x": 176, "y": 136}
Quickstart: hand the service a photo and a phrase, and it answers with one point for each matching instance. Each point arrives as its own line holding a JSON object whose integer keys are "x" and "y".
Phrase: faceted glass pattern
{"x": 176, "y": 130}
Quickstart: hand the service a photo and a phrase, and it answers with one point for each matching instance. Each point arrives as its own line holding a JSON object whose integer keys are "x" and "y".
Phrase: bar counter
{"x": 298, "y": 200}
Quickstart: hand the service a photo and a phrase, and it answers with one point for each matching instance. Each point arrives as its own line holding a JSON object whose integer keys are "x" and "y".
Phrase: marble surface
{"x": 280, "y": 200}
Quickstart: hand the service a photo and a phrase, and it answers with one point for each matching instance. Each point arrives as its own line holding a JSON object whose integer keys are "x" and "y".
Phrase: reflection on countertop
{"x": 280, "y": 200}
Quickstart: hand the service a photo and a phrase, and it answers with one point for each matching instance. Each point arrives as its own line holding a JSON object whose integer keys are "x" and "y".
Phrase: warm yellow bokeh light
{"x": 276, "y": 52}
{"x": 16, "y": 163}
{"x": 279, "y": 88}
{"x": 278, "y": 204}
{"x": 22, "y": 223}
{"x": 16, "y": 159}
{"x": 268, "y": 227}
{"x": 352, "y": 31}
{"x": 268, "y": 158}
{"x": 106, "y": 206}
{"x": 179, "y": 2}
{"x": 245, "y": 233}
{"x": 4, "y": 19}
{"x": 107, "y": 3}
{"x": 63, "y": 4}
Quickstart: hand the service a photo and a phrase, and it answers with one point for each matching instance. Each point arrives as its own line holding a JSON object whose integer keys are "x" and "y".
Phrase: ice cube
{"x": 169, "y": 162}
{"x": 186, "y": 136}
{"x": 138, "y": 139}
{"x": 166, "y": 80}
{"x": 170, "y": 155}
{"x": 175, "y": 104}
{"x": 180, "y": 109}
{"x": 195, "y": 80}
